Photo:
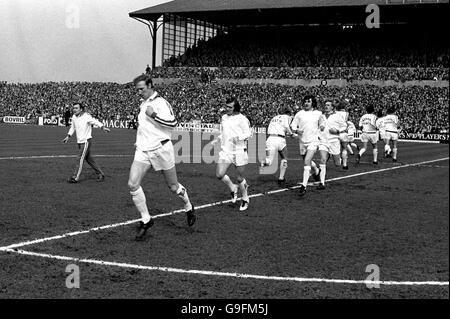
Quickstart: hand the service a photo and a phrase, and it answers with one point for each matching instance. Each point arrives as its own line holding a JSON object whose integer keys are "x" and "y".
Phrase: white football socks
{"x": 375, "y": 155}
{"x": 283, "y": 167}
{"x": 306, "y": 174}
{"x": 139, "y": 200}
{"x": 394, "y": 153}
{"x": 344, "y": 157}
{"x": 362, "y": 151}
{"x": 314, "y": 168}
{"x": 323, "y": 172}
{"x": 349, "y": 149}
{"x": 182, "y": 193}
{"x": 243, "y": 188}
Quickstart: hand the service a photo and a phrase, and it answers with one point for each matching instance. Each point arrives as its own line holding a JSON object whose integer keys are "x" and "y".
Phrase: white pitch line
{"x": 70, "y": 234}
{"x": 229, "y": 274}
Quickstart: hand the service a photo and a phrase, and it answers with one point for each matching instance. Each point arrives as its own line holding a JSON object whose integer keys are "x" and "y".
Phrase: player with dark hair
{"x": 154, "y": 148}
{"x": 369, "y": 133}
{"x": 82, "y": 123}
{"x": 307, "y": 123}
{"x": 340, "y": 106}
{"x": 234, "y": 133}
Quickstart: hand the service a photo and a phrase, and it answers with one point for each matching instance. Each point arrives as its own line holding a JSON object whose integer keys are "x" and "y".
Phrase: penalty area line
{"x": 228, "y": 274}
{"x": 75, "y": 233}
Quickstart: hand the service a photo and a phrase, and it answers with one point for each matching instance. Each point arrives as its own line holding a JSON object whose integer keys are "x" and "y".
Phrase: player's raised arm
{"x": 94, "y": 121}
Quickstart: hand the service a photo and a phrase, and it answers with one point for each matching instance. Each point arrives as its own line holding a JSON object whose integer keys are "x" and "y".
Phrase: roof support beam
{"x": 153, "y": 28}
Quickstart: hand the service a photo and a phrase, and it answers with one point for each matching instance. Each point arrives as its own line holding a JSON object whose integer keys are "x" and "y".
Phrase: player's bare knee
{"x": 133, "y": 186}
{"x": 173, "y": 188}
{"x": 219, "y": 175}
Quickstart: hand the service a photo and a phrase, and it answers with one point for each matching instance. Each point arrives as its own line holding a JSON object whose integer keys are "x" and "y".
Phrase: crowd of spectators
{"x": 327, "y": 47}
{"x": 306, "y": 73}
{"x": 422, "y": 109}
{"x": 393, "y": 53}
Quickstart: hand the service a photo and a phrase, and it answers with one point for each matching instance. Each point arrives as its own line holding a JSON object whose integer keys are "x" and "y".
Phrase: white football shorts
{"x": 304, "y": 147}
{"x": 369, "y": 137}
{"x": 239, "y": 158}
{"x": 162, "y": 158}
{"x": 332, "y": 147}
{"x": 391, "y": 136}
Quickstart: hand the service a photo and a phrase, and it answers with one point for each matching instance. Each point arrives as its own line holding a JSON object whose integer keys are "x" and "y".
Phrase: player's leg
{"x": 82, "y": 147}
{"x": 375, "y": 152}
{"x": 344, "y": 154}
{"x": 221, "y": 174}
{"x": 269, "y": 160}
{"x": 270, "y": 152}
{"x": 243, "y": 186}
{"x": 165, "y": 162}
{"x": 303, "y": 150}
{"x": 363, "y": 149}
{"x": 387, "y": 147}
{"x": 283, "y": 164}
{"x": 324, "y": 155}
{"x": 374, "y": 142}
{"x": 394, "y": 150}
{"x": 137, "y": 172}
{"x": 91, "y": 161}
{"x": 170, "y": 176}
{"x": 307, "y": 169}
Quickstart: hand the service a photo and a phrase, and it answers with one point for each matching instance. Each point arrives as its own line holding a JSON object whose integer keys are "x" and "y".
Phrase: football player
{"x": 279, "y": 128}
{"x": 307, "y": 124}
{"x": 369, "y": 134}
{"x": 391, "y": 124}
{"x": 234, "y": 132}
{"x": 330, "y": 145}
{"x": 154, "y": 148}
{"x": 343, "y": 136}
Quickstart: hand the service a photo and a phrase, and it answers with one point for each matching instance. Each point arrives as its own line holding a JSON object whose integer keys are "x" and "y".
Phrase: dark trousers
{"x": 85, "y": 155}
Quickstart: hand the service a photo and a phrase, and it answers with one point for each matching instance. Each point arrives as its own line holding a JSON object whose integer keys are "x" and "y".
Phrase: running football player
{"x": 369, "y": 134}
{"x": 279, "y": 128}
{"x": 154, "y": 148}
{"x": 307, "y": 124}
{"x": 391, "y": 124}
{"x": 234, "y": 132}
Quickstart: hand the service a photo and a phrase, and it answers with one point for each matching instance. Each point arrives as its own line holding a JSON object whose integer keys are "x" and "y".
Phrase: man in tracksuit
{"x": 82, "y": 123}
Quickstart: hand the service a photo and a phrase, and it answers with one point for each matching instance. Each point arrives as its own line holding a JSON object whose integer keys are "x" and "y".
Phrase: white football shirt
{"x": 234, "y": 132}
{"x": 153, "y": 130}
{"x": 279, "y": 125}
{"x": 308, "y": 124}
{"x": 368, "y": 123}
{"x": 391, "y": 123}
{"x": 334, "y": 120}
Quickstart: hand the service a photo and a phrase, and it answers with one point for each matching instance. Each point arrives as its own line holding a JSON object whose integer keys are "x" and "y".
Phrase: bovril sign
{"x": 14, "y": 119}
